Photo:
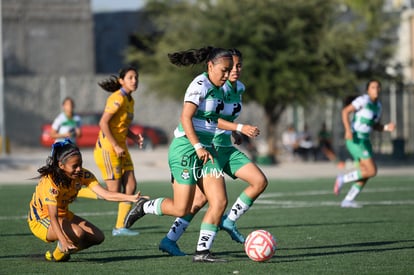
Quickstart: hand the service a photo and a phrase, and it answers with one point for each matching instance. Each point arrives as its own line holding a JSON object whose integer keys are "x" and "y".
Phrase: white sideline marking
{"x": 265, "y": 201}
{"x": 330, "y": 192}
{"x": 269, "y": 204}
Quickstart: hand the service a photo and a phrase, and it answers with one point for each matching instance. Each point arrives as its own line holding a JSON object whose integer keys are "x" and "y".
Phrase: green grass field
{"x": 314, "y": 235}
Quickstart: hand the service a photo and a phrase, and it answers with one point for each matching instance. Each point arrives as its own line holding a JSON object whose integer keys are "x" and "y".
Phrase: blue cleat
{"x": 124, "y": 232}
{"x": 170, "y": 247}
{"x": 230, "y": 227}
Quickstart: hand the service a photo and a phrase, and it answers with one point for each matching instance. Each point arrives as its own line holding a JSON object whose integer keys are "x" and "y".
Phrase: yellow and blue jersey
{"x": 48, "y": 193}
{"x": 122, "y": 107}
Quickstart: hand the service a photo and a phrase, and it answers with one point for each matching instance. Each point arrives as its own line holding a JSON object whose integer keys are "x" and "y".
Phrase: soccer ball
{"x": 260, "y": 245}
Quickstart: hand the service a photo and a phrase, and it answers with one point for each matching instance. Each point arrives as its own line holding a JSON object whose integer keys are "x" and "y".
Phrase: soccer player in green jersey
{"x": 192, "y": 157}
{"x": 367, "y": 113}
{"x": 235, "y": 164}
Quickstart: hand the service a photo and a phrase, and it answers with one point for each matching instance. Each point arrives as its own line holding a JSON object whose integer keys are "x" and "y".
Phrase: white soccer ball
{"x": 260, "y": 245}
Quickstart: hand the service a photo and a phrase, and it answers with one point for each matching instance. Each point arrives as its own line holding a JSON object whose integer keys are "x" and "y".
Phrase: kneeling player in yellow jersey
{"x": 49, "y": 217}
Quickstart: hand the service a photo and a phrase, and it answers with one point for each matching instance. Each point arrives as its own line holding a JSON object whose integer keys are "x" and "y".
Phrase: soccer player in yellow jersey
{"x": 49, "y": 216}
{"x": 111, "y": 153}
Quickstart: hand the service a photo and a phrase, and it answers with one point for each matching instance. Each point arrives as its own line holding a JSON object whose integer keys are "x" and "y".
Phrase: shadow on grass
{"x": 236, "y": 255}
{"x": 352, "y": 245}
{"x": 119, "y": 258}
{"x": 310, "y": 224}
{"x": 339, "y": 250}
{"x": 85, "y": 256}
{"x": 344, "y": 252}
{"x": 15, "y": 235}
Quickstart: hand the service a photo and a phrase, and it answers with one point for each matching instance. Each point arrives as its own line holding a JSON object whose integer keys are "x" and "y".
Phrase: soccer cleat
{"x": 230, "y": 227}
{"x": 206, "y": 257}
{"x": 338, "y": 184}
{"x": 49, "y": 257}
{"x": 136, "y": 213}
{"x": 350, "y": 204}
{"x": 124, "y": 232}
{"x": 170, "y": 247}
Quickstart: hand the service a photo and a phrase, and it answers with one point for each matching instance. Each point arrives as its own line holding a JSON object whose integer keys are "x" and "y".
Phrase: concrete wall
{"x": 51, "y": 37}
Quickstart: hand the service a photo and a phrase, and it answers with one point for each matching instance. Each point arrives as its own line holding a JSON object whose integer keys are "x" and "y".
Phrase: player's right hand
{"x": 204, "y": 155}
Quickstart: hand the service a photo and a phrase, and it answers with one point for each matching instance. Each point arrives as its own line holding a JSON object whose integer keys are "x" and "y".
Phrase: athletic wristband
{"x": 197, "y": 146}
{"x": 386, "y": 128}
{"x": 239, "y": 127}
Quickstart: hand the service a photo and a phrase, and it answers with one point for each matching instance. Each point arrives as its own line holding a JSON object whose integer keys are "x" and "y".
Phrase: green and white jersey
{"x": 366, "y": 115}
{"x": 209, "y": 101}
{"x": 232, "y": 109}
{"x": 63, "y": 124}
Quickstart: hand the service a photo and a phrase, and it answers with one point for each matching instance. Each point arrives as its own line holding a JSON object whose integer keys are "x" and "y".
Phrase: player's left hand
{"x": 250, "y": 131}
{"x": 389, "y": 127}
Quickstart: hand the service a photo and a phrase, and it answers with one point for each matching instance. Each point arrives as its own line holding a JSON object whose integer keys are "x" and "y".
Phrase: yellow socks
{"x": 57, "y": 255}
{"x": 87, "y": 193}
{"x": 123, "y": 209}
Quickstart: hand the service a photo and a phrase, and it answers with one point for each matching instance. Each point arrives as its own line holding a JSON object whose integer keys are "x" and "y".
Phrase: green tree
{"x": 295, "y": 52}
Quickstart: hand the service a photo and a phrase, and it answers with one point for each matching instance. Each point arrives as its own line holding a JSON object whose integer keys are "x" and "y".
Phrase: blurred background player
{"x": 290, "y": 142}
{"x": 67, "y": 124}
{"x": 49, "y": 216}
{"x": 325, "y": 144}
{"x": 367, "y": 113}
{"x": 306, "y": 148}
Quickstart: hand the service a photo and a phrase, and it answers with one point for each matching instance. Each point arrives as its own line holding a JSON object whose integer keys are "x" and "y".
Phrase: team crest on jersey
{"x": 185, "y": 174}
{"x": 117, "y": 104}
{"x": 53, "y": 191}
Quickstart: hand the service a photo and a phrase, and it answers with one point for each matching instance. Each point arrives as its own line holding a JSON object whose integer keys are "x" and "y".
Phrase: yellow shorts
{"x": 40, "y": 227}
{"x": 111, "y": 166}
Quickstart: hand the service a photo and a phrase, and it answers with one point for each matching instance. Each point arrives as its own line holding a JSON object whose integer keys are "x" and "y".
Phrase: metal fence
{"x": 33, "y": 101}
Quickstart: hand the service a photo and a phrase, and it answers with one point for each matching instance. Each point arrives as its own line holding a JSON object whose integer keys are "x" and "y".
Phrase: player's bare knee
{"x": 181, "y": 212}
{"x": 221, "y": 204}
{"x": 259, "y": 185}
{"x": 263, "y": 184}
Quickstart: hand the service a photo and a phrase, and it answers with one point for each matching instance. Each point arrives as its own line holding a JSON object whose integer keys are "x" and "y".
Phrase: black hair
{"x": 68, "y": 98}
{"x": 112, "y": 84}
{"x": 370, "y": 81}
{"x": 348, "y": 100}
{"x": 61, "y": 152}
{"x": 196, "y": 56}
{"x": 236, "y": 52}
